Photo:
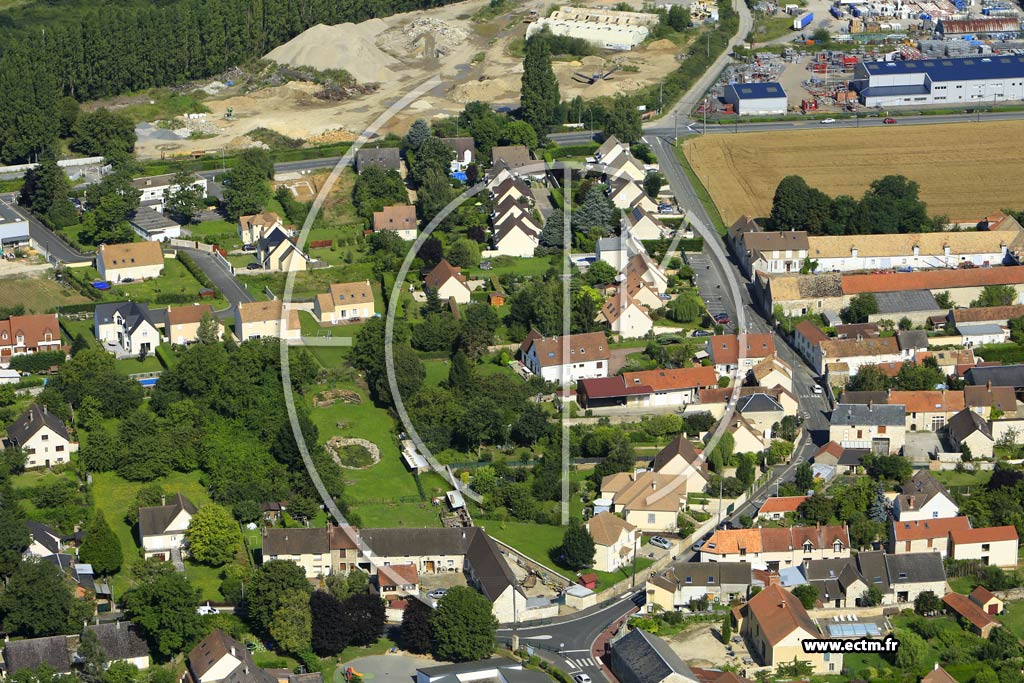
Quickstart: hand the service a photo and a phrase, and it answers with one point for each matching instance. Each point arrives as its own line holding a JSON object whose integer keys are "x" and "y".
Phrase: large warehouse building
{"x": 995, "y": 79}
{"x": 750, "y": 99}
{"x": 607, "y": 36}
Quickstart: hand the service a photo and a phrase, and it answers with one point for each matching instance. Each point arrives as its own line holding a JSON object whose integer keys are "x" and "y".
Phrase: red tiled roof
{"x": 673, "y": 380}
{"x": 810, "y": 332}
{"x": 989, "y": 534}
{"x": 398, "y": 575}
{"x": 725, "y": 347}
{"x": 928, "y": 401}
{"x": 981, "y": 595}
{"x": 928, "y": 528}
{"x": 443, "y": 272}
{"x": 778, "y": 612}
{"x": 933, "y": 279}
{"x": 610, "y": 387}
{"x": 33, "y": 328}
{"x": 962, "y": 605}
{"x": 782, "y": 504}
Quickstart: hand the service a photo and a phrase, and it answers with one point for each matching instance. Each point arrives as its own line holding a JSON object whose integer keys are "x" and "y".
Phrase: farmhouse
{"x": 566, "y": 359}
{"x": 129, "y": 262}
{"x": 257, "y": 319}
{"x": 182, "y": 323}
{"x": 397, "y": 218}
{"x": 448, "y": 282}
{"x": 42, "y": 436}
{"x": 126, "y": 328}
{"x": 776, "y": 623}
{"x": 28, "y": 334}
{"x": 344, "y": 302}
{"x": 756, "y": 99}
{"x": 162, "y": 528}
{"x": 319, "y": 551}
{"x": 992, "y": 545}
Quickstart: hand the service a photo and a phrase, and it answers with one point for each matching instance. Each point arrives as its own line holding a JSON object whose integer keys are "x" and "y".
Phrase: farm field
{"x": 742, "y": 171}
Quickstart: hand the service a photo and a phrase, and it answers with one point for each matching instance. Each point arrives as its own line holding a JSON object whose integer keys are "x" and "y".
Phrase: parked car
{"x": 207, "y": 609}
{"x": 437, "y": 594}
{"x": 659, "y": 542}
{"x": 581, "y": 678}
{"x": 701, "y": 333}
{"x": 828, "y": 120}
{"x": 248, "y": 247}
{"x": 889, "y": 120}
{"x": 253, "y": 266}
{"x": 699, "y": 544}
{"x": 816, "y": 390}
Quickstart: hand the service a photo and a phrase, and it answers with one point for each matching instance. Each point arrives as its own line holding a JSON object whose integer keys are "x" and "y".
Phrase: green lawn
{"x": 537, "y": 541}
{"x": 527, "y": 267}
{"x": 437, "y": 371}
{"x": 954, "y": 478}
{"x": 174, "y": 280}
{"x": 206, "y": 579}
{"x": 130, "y": 366}
{"x": 1014, "y": 618}
{"x": 115, "y": 495}
{"x": 606, "y": 580}
{"x": 963, "y": 584}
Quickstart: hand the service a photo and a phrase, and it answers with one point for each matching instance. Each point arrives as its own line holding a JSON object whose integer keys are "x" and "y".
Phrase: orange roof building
{"x": 991, "y": 545}
{"x": 776, "y": 548}
{"x": 777, "y": 508}
{"x": 980, "y": 622}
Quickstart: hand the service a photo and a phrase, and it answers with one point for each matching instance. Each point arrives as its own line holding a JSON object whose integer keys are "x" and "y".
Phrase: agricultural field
{"x": 37, "y": 293}
{"x": 742, "y": 171}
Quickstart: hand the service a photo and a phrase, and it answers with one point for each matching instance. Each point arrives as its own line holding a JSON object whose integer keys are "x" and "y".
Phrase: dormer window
{"x": 689, "y": 580}
{"x": 903, "y": 575}
{"x": 711, "y": 580}
{"x": 808, "y": 547}
{"x": 837, "y": 546}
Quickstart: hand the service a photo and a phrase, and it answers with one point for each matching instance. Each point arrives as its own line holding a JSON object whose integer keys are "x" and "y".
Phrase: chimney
{"x": 654, "y": 485}
{"x": 117, "y": 625}
{"x": 988, "y": 385}
{"x": 232, "y": 650}
{"x": 910, "y": 501}
{"x": 871, "y": 404}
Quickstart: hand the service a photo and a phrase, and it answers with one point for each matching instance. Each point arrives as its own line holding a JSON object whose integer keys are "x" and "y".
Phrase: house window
{"x": 45, "y": 437}
{"x": 881, "y": 429}
{"x": 689, "y": 580}
{"x": 808, "y": 547}
{"x": 650, "y": 518}
{"x": 935, "y": 515}
{"x": 985, "y": 547}
{"x": 837, "y": 546}
{"x": 711, "y": 580}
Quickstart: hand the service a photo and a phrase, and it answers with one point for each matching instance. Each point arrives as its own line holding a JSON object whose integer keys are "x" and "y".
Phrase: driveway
{"x": 219, "y": 275}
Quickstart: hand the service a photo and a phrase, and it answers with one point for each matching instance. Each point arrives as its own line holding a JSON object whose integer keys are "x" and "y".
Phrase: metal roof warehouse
{"x": 936, "y": 81}
{"x": 756, "y": 98}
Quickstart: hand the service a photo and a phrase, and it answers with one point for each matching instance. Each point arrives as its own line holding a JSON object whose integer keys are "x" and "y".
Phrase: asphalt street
{"x": 569, "y": 641}
{"x": 222, "y": 278}
{"x": 51, "y": 244}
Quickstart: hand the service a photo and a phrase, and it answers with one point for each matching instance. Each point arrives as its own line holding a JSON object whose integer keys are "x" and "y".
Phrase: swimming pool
{"x": 148, "y": 381}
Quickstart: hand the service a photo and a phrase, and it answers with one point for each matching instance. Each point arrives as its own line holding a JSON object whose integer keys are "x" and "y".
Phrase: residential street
{"x": 51, "y": 244}
{"x": 224, "y": 280}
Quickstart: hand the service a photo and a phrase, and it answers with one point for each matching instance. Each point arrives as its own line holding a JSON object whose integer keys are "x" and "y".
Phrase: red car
{"x": 889, "y": 120}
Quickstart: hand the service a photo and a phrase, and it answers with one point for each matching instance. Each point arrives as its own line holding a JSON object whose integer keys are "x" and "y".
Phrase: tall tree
{"x": 363, "y": 617}
{"x": 246, "y": 188}
{"x": 804, "y": 477}
{"x": 184, "y": 198}
{"x": 553, "y": 234}
{"x": 165, "y": 608}
{"x": 460, "y": 372}
{"x": 539, "y": 96}
{"x": 328, "y": 634}
{"x": 577, "y": 546}
{"x": 103, "y": 133}
{"x": 213, "y": 536}
{"x": 432, "y": 156}
{"x": 209, "y": 330}
{"x": 37, "y": 602}
{"x": 27, "y": 124}
{"x": 416, "y": 631}
{"x": 434, "y": 194}
{"x": 623, "y": 120}
{"x": 290, "y": 625}
{"x": 100, "y": 547}
{"x": 46, "y": 191}
{"x": 272, "y": 581}
{"x": 94, "y": 659}
{"x": 464, "y": 626}
{"x": 418, "y": 132}
{"x": 14, "y": 537}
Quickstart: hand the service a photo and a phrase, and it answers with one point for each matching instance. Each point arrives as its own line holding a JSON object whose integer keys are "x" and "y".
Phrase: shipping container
{"x": 836, "y": 12}
{"x": 802, "y": 21}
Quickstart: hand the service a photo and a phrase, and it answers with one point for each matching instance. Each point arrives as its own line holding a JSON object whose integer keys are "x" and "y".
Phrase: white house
{"x": 517, "y": 236}
{"x": 277, "y": 253}
{"x": 977, "y": 334}
{"x": 134, "y": 261}
{"x": 614, "y": 541}
{"x": 252, "y": 228}
{"x": 162, "y": 528}
{"x": 625, "y": 316}
{"x": 991, "y": 545}
{"x": 258, "y": 319}
{"x": 449, "y": 282}
{"x": 465, "y": 152}
{"x": 155, "y": 189}
{"x": 644, "y": 225}
{"x": 572, "y": 358}
{"x": 42, "y": 436}
{"x": 344, "y": 301}
{"x": 126, "y": 328}
{"x": 929, "y": 250}
{"x": 923, "y": 497}
{"x": 397, "y": 218}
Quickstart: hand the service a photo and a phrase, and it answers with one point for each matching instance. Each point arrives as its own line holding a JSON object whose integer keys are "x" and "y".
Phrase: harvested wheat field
{"x": 953, "y": 163}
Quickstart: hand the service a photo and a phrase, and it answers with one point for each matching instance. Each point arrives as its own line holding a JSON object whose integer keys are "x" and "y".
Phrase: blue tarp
{"x": 460, "y": 176}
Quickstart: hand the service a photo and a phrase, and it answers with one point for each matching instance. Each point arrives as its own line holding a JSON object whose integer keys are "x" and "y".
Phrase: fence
{"x": 192, "y": 244}
{"x": 546, "y": 573}
{"x": 221, "y": 259}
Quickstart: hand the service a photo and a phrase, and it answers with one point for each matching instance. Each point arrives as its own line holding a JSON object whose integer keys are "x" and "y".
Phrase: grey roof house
{"x": 34, "y": 652}
{"x": 162, "y": 528}
{"x": 387, "y": 158}
{"x": 640, "y": 657}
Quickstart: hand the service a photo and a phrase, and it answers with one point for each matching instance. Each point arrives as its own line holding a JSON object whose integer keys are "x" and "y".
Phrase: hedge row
{"x": 71, "y": 309}
{"x": 84, "y": 288}
{"x": 574, "y": 151}
{"x": 693, "y": 244}
{"x": 162, "y": 355}
{"x": 197, "y": 273}
{"x": 37, "y": 362}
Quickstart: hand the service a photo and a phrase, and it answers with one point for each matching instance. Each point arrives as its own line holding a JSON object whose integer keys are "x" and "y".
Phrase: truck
{"x": 835, "y": 11}
{"x": 802, "y": 21}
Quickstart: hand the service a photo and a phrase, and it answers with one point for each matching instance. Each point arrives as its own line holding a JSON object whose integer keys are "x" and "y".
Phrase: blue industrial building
{"x": 975, "y": 80}
{"x": 756, "y": 98}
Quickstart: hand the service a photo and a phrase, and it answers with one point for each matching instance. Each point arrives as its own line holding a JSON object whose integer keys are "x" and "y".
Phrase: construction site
{"x": 477, "y": 57}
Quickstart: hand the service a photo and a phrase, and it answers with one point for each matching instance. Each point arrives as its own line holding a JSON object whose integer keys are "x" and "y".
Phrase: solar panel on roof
{"x": 969, "y": 62}
{"x": 1005, "y": 60}
{"x": 929, "y": 63}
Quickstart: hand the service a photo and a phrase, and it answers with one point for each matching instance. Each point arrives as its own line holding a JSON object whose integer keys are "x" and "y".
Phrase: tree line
{"x": 88, "y": 52}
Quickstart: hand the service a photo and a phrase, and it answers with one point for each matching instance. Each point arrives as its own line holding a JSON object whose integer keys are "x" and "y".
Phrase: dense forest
{"x": 89, "y": 50}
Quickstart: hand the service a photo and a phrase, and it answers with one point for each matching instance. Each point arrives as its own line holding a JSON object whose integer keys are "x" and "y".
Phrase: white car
{"x": 437, "y": 594}
{"x": 816, "y": 389}
{"x": 581, "y": 678}
{"x": 828, "y": 120}
{"x": 207, "y": 609}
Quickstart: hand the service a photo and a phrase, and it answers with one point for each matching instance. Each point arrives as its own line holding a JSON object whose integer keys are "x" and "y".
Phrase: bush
{"x": 164, "y": 356}
{"x": 197, "y": 273}
{"x": 37, "y": 362}
{"x": 71, "y": 309}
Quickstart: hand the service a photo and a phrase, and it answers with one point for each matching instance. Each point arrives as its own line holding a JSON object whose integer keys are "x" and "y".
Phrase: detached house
{"x": 42, "y": 436}
{"x": 126, "y": 328}
{"x": 625, "y": 316}
{"x": 258, "y": 319}
{"x": 387, "y": 158}
{"x": 27, "y": 334}
{"x": 991, "y": 545}
{"x": 252, "y": 228}
{"x": 778, "y": 507}
{"x": 566, "y": 359}
{"x": 449, "y": 282}
{"x": 680, "y": 459}
{"x": 776, "y": 623}
{"x": 923, "y": 497}
{"x": 969, "y": 429}
{"x": 397, "y": 218}
{"x": 344, "y": 302}
{"x": 880, "y": 428}
{"x": 277, "y": 253}
{"x": 650, "y": 501}
{"x": 162, "y": 528}
{"x": 614, "y": 541}
{"x": 465, "y": 152}
{"x": 516, "y": 235}
{"x": 219, "y": 657}
{"x": 182, "y": 323}
{"x": 644, "y": 225}
{"x": 130, "y": 262}
{"x": 725, "y": 351}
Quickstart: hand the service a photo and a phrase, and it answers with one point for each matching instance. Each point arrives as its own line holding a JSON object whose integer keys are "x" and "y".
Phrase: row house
{"x": 775, "y": 548}
{"x": 718, "y": 582}
{"x": 28, "y": 334}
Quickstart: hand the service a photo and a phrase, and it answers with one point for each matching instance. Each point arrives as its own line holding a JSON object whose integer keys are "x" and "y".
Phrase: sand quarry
{"x": 398, "y": 53}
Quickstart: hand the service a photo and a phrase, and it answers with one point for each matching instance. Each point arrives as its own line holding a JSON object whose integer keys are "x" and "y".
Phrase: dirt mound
{"x": 663, "y": 44}
{"x": 487, "y": 90}
{"x": 345, "y": 46}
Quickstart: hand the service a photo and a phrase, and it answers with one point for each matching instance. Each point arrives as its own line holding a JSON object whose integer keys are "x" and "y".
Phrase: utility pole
{"x": 635, "y": 539}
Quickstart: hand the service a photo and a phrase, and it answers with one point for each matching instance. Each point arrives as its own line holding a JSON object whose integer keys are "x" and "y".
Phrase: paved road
{"x": 224, "y": 280}
{"x": 569, "y": 642}
{"x": 52, "y": 245}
